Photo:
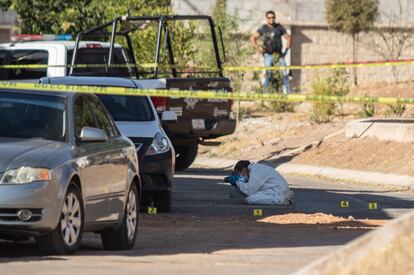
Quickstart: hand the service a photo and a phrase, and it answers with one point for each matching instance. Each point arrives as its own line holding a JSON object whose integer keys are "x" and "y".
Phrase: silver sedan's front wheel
{"x": 67, "y": 236}
{"x": 71, "y": 219}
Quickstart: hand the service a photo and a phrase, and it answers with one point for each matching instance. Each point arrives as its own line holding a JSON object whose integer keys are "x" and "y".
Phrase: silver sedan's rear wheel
{"x": 67, "y": 235}
{"x": 124, "y": 237}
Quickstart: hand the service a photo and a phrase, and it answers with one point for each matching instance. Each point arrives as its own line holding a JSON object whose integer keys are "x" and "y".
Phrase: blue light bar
{"x": 41, "y": 37}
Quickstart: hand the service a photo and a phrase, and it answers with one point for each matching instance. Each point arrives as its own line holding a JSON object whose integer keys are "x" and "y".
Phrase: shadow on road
{"x": 175, "y": 235}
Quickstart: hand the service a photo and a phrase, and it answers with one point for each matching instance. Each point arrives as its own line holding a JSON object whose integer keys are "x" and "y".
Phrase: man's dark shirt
{"x": 272, "y": 37}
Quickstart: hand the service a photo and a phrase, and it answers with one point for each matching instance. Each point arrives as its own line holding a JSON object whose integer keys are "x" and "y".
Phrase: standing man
{"x": 272, "y": 51}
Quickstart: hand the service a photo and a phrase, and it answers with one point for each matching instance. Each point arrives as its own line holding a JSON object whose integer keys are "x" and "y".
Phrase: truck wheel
{"x": 185, "y": 156}
{"x": 163, "y": 201}
{"x": 124, "y": 237}
{"x": 67, "y": 235}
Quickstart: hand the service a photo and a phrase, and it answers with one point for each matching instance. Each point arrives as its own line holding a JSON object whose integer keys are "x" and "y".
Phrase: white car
{"x": 137, "y": 119}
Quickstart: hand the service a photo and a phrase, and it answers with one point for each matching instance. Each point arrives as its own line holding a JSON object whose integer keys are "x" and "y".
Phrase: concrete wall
{"x": 304, "y": 12}
{"x": 4, "y": 34}
{"x": 251, "y": 14}
{"x": 313, "y": 42}
{"x": 387, "y": 250}
{"x": 7, "y": 19}
{"x": 317, "y": 45}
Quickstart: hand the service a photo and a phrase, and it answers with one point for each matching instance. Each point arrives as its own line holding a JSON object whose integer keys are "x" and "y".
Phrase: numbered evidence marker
{"x": 372, "y": 206}
{"x": 344, "y": 204}
{"x": 257, "y": 212}
{"x": 152, "y": 210}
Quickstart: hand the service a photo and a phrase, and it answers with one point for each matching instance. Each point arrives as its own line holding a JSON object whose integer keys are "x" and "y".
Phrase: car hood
{"x": 146, "y": 129}
{"x": 18, "y": 152}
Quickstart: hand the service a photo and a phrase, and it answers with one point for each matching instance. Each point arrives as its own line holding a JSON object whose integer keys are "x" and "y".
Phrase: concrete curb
{"x": 387, "y": 250}
{"x": 374, "y": 178}
{"x": 217, "y": 163}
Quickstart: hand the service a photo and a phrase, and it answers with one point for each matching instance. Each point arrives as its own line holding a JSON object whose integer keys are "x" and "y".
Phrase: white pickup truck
{"x": 57, "y": 55}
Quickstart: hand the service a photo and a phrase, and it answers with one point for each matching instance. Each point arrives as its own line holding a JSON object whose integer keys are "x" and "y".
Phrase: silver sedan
{"x": 65, "y": 169}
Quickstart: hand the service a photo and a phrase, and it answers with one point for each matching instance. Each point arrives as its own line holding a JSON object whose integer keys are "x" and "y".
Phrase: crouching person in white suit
{"x": 261, "y": 184}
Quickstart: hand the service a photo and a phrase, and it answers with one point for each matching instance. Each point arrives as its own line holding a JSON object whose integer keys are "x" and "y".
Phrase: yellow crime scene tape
{"x": 325, "y": 66}
{"x": 242, "y": 96}
{"x": 381, "y": 63}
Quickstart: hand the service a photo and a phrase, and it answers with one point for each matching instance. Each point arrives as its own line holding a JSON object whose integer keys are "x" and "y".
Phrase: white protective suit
{"x": 265, "y": 186}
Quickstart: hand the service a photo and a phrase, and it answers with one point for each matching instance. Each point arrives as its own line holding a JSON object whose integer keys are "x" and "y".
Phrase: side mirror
{"x": 168, "y": 117}
{"x": 89, "y": 134}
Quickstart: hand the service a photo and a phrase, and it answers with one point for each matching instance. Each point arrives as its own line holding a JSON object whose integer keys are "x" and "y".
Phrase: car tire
{"x": 71, "y": 221}
{"x": 124, "y": 237}
{"x": 163, "y": 201}
{"x": 185, "y": 156}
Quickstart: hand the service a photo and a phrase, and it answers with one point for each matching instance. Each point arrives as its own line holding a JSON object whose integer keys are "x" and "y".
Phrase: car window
{"x": 3, "y": 56}
{"x": 83, "y": 115}
{"x": 23, "y": 57}
{"x": 128, "y": 108}
{"x": 105, "y": 123}
{"x": 24, "y": 115}
{"x": 99, "y": 56}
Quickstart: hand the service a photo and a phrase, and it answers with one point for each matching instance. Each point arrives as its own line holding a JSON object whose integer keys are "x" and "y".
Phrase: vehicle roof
{"x": 91, "y": 81}
{"x": 57, "y": 94}
{"x": 69, "y": 44}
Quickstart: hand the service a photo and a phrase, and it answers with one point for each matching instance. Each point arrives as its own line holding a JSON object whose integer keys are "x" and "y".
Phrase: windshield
{"x": 128, "y": 108}
{"x": 23, "y": 57}
{"x": 24, "y": 115}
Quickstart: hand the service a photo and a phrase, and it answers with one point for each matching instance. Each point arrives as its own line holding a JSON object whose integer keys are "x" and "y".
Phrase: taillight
{"x": 160, "y": 103}
{"x": 93, "y": 45}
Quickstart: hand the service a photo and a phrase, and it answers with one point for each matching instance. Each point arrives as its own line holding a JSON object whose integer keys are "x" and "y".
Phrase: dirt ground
{"x": 403, "y": 89}
{"x": 367, "y": 154}
{"x": 262, "y": 135}
{"x": 325, "y": 221}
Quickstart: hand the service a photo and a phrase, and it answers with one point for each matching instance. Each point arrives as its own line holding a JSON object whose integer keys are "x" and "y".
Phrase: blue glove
{"x": 232, "y": 179}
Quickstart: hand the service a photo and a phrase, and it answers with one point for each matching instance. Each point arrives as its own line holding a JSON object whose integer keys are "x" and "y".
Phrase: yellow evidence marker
{"x": 257, "y": 212}
{"x": 152, "y": 210}
{"x": 344, "y": 204}
{"x": 372, "y": 206}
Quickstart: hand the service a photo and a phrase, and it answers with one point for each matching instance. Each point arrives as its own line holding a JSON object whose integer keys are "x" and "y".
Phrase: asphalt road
{"x": 209, "y": 231}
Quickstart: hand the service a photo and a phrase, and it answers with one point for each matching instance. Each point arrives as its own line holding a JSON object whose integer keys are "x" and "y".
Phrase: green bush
{"x": 368, "y": 110}
{"x": 281, "y": 107}
{"x": 334, "y": 85}
{"x": 396, "y": 110}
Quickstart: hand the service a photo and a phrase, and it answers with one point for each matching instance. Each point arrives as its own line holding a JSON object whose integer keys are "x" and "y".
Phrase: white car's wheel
{"x": 67, "y": 235}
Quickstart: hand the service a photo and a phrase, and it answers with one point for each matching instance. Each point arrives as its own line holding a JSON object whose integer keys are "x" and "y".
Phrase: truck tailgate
{"x": 193, "y": 108}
